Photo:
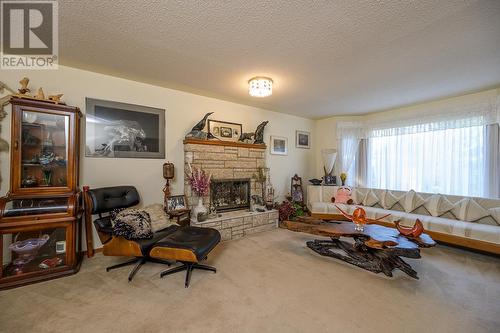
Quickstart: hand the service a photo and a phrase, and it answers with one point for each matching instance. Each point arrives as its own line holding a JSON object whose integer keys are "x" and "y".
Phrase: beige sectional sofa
{"x": 464, "y": 221}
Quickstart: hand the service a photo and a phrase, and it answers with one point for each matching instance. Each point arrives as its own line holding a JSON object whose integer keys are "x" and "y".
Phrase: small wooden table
{"x": 376, "y": 249}
{"x": 182, "y": 216}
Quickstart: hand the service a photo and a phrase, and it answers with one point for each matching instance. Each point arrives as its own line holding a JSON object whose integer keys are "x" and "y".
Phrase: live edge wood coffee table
{"x": 376, "y": 248}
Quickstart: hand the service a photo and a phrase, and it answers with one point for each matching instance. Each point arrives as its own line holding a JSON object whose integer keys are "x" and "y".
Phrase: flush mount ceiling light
{"x": 260, "y": 86}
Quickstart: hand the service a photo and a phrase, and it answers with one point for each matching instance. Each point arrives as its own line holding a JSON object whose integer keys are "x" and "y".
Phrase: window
{"x": 448, "y": 161}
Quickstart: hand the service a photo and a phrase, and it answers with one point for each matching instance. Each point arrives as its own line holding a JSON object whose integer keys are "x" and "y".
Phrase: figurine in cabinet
{"x": 42, "y": 209}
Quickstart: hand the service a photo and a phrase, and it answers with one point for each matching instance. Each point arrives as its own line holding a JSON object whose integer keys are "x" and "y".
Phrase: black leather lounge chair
{"x": 187, "y": 245}
{"x": 101, "y": 201}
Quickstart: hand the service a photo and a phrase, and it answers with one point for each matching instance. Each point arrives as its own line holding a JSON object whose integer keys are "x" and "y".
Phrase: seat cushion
{"x": 147, "y": 244}
{"x": 103, "y": 224}
{"x": 199, "y": 241}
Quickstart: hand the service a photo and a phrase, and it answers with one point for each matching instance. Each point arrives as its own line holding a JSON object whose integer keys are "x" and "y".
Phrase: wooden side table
{"x": 182, "y": 216}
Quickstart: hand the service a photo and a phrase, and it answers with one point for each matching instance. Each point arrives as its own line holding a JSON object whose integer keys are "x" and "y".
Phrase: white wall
{"x": 183, "y": 110}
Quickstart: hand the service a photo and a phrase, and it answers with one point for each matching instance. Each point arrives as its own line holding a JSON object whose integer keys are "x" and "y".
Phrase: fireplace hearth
{"x": 230, "y": 194}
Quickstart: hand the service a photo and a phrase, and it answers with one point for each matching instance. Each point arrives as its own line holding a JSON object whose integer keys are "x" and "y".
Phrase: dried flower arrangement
{"x": 199, "y": 181}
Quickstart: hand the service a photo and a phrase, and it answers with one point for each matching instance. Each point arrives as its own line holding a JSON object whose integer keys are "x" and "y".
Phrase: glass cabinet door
{"x": 32, "y": 251}
{"x": 43, "y": 148}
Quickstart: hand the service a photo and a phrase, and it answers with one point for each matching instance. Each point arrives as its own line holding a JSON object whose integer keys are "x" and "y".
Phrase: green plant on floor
{"x": 290, "y": 211}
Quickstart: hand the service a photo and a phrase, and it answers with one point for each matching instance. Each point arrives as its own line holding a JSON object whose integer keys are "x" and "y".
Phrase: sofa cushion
{"x": 411, "y": 200}
{"x": 495, "y": 213}
{"x": 437, "y": 205}
{"x": 370, "y": 199}
{"x": 357, "y": 196}
{"x": 319, "y": 207}
{"x": 387, "y": 199}
{"x": 477, "y": 231}
{"x": 469, "y": 210}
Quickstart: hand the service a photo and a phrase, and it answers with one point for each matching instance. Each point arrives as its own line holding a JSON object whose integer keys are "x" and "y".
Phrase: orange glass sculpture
{"x": 414, "y": 232}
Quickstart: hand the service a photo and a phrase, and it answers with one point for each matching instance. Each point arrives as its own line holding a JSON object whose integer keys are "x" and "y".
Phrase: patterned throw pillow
{"x": 411, "y": 200}
{"x": 370, "y": 199}
{"x": 469, "y": 210}
{"x": 357, "y": 196}
{"x": 113, "y": 213}
{"x": 495, "y": 213}
{"x": 132, "y": 224}
{"x": 437, "y": 205}
{"x": 388, "y": 199}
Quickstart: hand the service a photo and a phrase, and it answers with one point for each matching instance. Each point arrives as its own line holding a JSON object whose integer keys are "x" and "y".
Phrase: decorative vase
{"x": 197, "y": 210}
{"x": 47, "y": 177}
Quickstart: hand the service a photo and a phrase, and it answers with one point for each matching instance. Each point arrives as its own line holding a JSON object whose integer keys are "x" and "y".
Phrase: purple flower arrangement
{"x": 199, "y": 181}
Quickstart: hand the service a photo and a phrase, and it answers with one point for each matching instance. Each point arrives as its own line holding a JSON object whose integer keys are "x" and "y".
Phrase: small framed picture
{"x": 279, "y": 145}
{"x": 302, "y": 139}
{"x": 224, "y": 130}
{"x": 176, "y": 202}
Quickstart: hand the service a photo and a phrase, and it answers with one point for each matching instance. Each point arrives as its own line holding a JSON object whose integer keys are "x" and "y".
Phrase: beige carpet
{"x": 269, "y": 282}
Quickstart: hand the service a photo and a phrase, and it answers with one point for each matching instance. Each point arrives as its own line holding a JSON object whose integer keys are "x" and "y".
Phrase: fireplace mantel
{"x": 224, "y": 143}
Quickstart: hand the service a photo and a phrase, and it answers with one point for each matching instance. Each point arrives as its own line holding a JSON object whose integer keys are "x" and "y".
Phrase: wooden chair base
{"x": 188, "y": 267}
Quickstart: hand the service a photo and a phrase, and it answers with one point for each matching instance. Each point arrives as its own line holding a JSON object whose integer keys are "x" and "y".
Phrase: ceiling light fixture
{"x": 260, "y": 86}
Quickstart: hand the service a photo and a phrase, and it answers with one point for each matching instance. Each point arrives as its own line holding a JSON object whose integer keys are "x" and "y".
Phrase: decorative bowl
{"x": 315, "y": 181}
{"x": 27, "y": 249}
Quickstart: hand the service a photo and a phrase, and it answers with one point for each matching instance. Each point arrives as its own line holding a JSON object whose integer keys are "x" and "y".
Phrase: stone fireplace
{"x": 232, "y": 166}
{"x": 225, "y": 161}
{"x": 230, "y": 194}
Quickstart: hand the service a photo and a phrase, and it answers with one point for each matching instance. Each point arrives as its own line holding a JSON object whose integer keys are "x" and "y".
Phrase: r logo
{"x": 27, "y": 27}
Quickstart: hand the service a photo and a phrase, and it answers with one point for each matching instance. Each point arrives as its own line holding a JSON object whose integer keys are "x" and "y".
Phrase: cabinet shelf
{"x": 39, "y": 165}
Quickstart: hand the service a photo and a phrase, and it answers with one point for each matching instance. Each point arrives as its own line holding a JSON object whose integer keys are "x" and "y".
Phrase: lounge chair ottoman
{"x": 187, "y": 245}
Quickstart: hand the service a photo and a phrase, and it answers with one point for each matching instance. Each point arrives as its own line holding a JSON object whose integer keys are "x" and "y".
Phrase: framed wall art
{"x": 120, "y": 130}
{"x": 302, "y": 139}
{"x": 279, "y": 145}
{"x": 224, "y": 130}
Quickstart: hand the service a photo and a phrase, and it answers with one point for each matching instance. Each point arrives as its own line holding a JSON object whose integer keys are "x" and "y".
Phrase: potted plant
{"x": 200, "y": 184}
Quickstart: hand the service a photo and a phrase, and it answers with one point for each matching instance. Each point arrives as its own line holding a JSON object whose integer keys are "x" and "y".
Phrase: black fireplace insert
{"x": 230, "y": 194}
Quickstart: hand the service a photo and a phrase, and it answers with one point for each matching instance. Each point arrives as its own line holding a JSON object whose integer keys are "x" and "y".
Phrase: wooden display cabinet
{"x": 40, "y": 217}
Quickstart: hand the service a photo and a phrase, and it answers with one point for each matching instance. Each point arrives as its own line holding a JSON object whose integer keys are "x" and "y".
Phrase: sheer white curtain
{"x": 449, "y": 161}
{"x": 492, "y": 180}
{"x": 450, "y": 146}
{"x": 349, "y": 135}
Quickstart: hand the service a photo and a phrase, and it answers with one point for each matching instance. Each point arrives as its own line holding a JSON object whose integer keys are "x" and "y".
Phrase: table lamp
{"x": 329, "y": 157}
{"x": 168, "y": 174}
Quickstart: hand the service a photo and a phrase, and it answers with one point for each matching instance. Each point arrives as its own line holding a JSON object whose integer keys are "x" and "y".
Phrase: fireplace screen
{"x": 230, "y": 194}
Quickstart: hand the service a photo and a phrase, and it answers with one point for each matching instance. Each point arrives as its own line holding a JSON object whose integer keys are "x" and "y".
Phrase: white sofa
{"x": 464, "y": 221}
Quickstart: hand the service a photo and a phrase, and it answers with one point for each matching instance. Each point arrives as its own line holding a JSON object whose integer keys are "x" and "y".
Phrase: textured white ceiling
{"x": 326, "y": 57}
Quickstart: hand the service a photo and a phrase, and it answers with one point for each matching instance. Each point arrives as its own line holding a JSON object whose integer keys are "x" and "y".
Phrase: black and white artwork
{"x": 224, "y": 130}
{"x": 176, "y": 202}
{"x": 123, "y": 130}
{"x": 302, "y": 139}
{"x": 279, "y": 145}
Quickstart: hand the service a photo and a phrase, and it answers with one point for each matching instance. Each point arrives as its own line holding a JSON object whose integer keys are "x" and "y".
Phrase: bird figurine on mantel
{"x": 24, "y": 86}
{"x": 197, "y": 130}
